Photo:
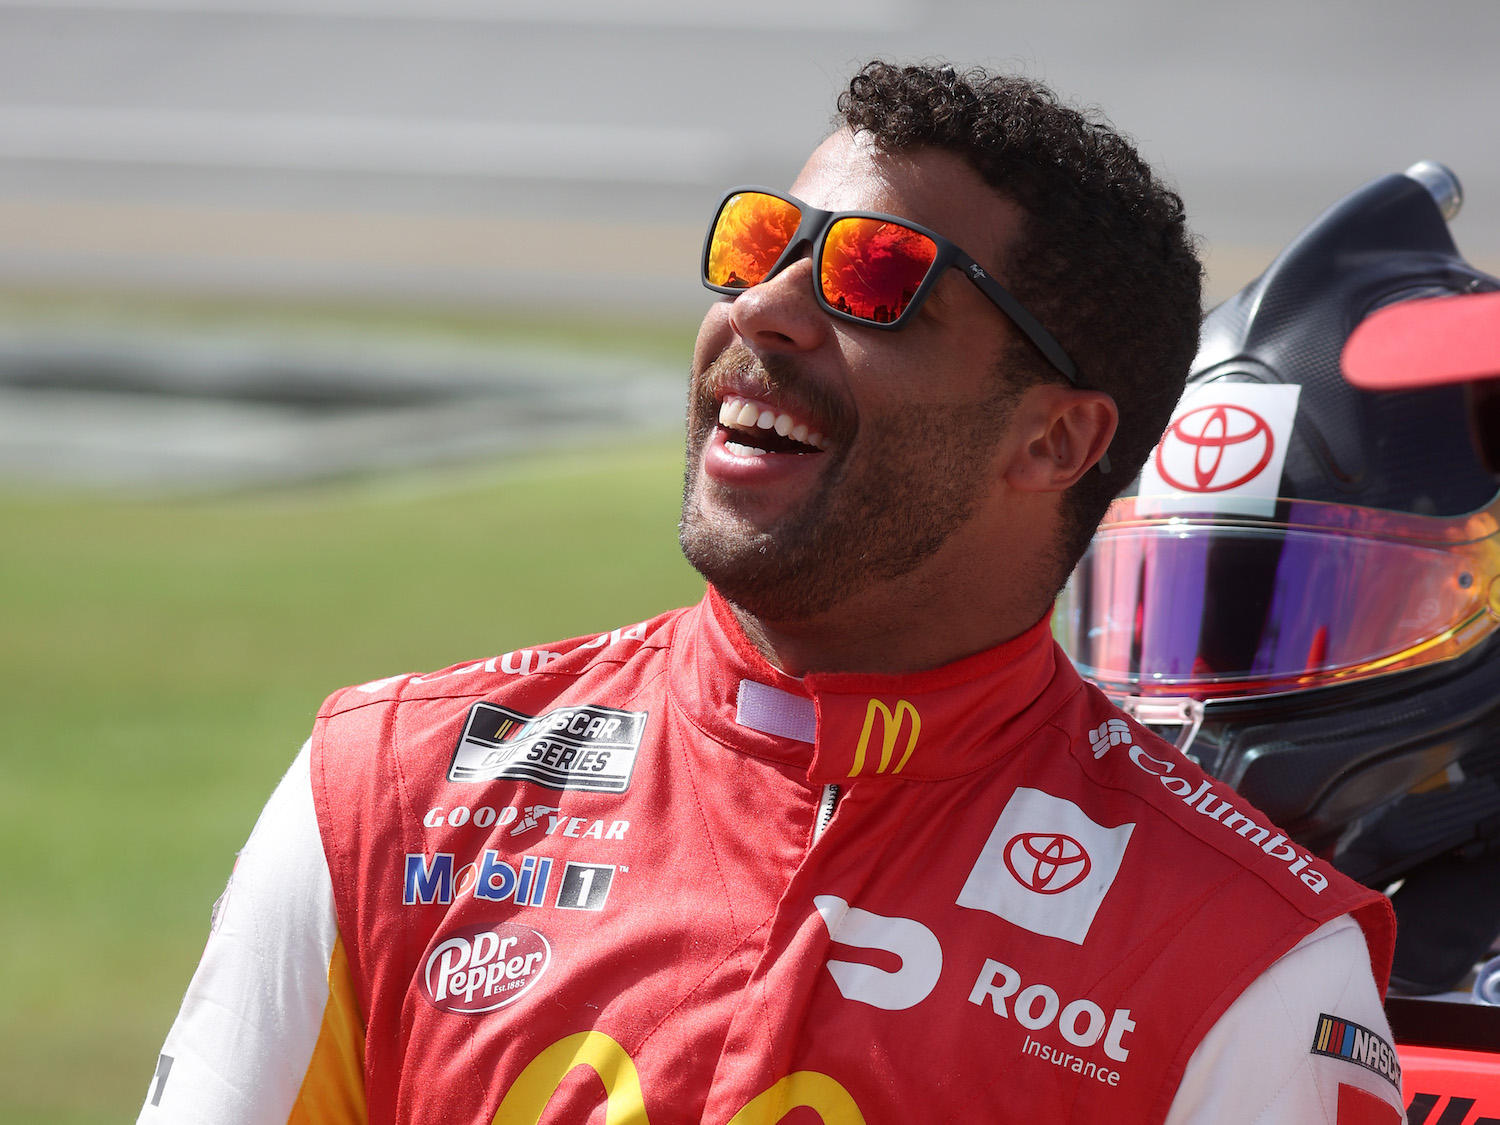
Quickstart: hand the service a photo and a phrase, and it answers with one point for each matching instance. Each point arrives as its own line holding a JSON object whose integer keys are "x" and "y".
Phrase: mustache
{"x": 779, "y": 378}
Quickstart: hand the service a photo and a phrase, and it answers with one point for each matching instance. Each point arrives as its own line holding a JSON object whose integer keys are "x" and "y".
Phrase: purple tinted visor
{"x": 1213, "y": 606}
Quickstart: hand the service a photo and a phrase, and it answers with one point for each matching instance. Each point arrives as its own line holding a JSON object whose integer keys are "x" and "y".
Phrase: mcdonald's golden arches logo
{"x": 891, "y": 723}
{"x": 625, "y": 1104}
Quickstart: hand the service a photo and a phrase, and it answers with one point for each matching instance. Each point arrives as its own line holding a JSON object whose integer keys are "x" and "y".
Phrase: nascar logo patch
{"x": 1343, "y": 1039}
{"x": 581, "y": 747}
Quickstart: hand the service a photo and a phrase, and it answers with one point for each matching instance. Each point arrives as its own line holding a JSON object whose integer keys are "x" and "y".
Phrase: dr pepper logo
{"x": 1047, "y": 863}
{"x": 484, "y": 967}
{"x": 1215, "y": 448}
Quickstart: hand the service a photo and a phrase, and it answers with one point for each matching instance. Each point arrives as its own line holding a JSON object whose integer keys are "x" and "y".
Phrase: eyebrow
{"x": 941, "y": 291}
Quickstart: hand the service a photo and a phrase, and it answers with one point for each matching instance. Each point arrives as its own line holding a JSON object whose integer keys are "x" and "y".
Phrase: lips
{"x": 754, "y": 428}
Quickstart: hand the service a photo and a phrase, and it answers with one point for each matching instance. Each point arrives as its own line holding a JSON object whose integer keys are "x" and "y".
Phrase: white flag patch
{"x": 1046, "y": 866}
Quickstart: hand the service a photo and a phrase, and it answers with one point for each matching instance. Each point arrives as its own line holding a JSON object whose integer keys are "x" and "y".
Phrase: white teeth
{"x": 740, "y": 413}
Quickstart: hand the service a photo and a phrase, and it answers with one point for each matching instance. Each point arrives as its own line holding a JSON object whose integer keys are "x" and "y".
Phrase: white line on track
{"x": 774, "y": 15}
{"x": 408, "y": 145}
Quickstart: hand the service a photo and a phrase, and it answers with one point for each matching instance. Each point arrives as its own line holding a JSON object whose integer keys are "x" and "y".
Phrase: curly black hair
{"x": 1105, "y": 261}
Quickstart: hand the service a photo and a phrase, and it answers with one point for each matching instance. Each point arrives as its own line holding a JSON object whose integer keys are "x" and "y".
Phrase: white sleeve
{"x": 242, "y": 1043}
{"x": 1258, "y": 1064}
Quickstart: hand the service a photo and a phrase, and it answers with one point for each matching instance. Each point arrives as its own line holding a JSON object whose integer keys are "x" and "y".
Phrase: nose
{"x": 782, "y": 314}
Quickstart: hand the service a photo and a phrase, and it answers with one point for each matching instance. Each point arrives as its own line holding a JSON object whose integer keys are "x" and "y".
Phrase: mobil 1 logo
{"x": 585, "y": 886}
{"x": 584, "y": 747}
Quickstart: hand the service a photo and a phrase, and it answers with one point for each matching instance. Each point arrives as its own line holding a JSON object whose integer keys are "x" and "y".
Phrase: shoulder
{"x": 535, "y": 672}
{"x": 1306, "y": 1041}
{"x": 245, "y": 1040}
{"x": 1200, "y": 829}
{"x": 570, "y": 714}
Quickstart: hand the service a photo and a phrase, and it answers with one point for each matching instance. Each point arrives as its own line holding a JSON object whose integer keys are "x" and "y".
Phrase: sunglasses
{"x": 871, "y": 269}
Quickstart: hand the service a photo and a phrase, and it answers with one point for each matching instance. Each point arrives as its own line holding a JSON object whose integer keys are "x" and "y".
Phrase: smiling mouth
{"x": 754, "y": 429}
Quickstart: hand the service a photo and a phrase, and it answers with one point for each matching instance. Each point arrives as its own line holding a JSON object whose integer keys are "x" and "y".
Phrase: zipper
{"x": 826, "y": 806}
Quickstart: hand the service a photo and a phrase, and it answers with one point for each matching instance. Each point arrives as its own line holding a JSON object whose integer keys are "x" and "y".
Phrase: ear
{"x": 1061, "y": 432}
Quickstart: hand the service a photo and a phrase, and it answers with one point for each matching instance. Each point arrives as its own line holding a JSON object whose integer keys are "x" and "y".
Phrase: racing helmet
{"x": 1302, "y": 588}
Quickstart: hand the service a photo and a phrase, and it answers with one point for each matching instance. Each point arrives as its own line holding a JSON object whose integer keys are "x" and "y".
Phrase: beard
{"x": 885, "y": 503}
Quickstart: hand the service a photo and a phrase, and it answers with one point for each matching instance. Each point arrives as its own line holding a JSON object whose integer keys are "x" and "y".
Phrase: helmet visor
{"x": 1213, "y": 606}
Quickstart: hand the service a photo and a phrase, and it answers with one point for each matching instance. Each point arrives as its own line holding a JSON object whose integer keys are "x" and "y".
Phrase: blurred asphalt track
{"x": 563, "y": 155}
{"x": 535, "y": 152}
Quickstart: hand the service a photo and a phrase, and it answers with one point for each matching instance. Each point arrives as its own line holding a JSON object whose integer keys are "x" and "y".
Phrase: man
{"x": 849, "y": 841}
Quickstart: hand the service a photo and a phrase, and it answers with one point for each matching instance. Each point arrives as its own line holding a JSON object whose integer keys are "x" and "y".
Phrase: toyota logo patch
{"x": 1047, "y": 863}
{"x": 1047, "y": 866}
{"x": 1214, "y": 448}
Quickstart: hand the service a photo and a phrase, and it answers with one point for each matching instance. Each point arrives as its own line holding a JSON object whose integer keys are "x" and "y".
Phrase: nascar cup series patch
{"x": 582, "y": 747}
{"x": 1046, "y": 866}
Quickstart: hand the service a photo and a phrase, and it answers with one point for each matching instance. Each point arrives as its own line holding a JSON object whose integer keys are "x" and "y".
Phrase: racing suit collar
{"x": 921, "y": 726}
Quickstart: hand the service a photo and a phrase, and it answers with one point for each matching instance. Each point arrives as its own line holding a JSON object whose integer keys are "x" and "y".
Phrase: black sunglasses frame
{"x": 812, "y": 231}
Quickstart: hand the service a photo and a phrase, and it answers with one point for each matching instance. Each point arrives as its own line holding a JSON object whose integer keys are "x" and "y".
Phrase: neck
{"x": 989, "y": 581}
{"x": 868, "y": 632}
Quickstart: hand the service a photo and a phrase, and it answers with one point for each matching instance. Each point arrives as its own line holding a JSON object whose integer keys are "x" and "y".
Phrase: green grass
{"x": 161, "y": 662}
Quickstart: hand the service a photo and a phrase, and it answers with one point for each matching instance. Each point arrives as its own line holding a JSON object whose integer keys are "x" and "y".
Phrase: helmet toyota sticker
{"x": 1046, "y": 866}
{"x": 1222, "y": 451}
{"x": 1213, "y": 435}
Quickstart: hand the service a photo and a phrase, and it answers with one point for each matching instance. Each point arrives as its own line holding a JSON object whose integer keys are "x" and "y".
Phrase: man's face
{"x": 823, "y": 456}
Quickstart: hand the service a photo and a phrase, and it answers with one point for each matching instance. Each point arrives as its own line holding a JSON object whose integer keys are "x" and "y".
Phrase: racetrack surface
{"x": 149, "y": 408}
{"x": 567, "y": 153}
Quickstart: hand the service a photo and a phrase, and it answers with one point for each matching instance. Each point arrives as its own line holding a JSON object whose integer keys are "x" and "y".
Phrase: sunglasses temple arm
{"x": 1029, "y": 325}
{"x": 1022, "y": 319}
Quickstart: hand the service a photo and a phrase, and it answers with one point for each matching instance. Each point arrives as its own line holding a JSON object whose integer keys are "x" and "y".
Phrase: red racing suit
{"x": 645, "y": 877}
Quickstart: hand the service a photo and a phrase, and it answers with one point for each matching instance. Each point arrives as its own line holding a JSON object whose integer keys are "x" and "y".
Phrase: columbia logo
{"x": 1115, "y": 732}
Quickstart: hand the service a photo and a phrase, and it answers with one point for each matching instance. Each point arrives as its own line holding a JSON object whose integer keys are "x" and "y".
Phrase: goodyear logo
{"x": 891, "y": 722}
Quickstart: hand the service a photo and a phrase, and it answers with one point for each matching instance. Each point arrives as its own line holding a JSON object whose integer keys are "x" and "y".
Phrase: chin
{"x": 756, "y": 572}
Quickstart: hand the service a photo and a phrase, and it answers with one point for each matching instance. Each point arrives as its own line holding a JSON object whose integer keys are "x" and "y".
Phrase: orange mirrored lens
{"x": 751, "y": 232}
{"x": 872, "y": 269}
